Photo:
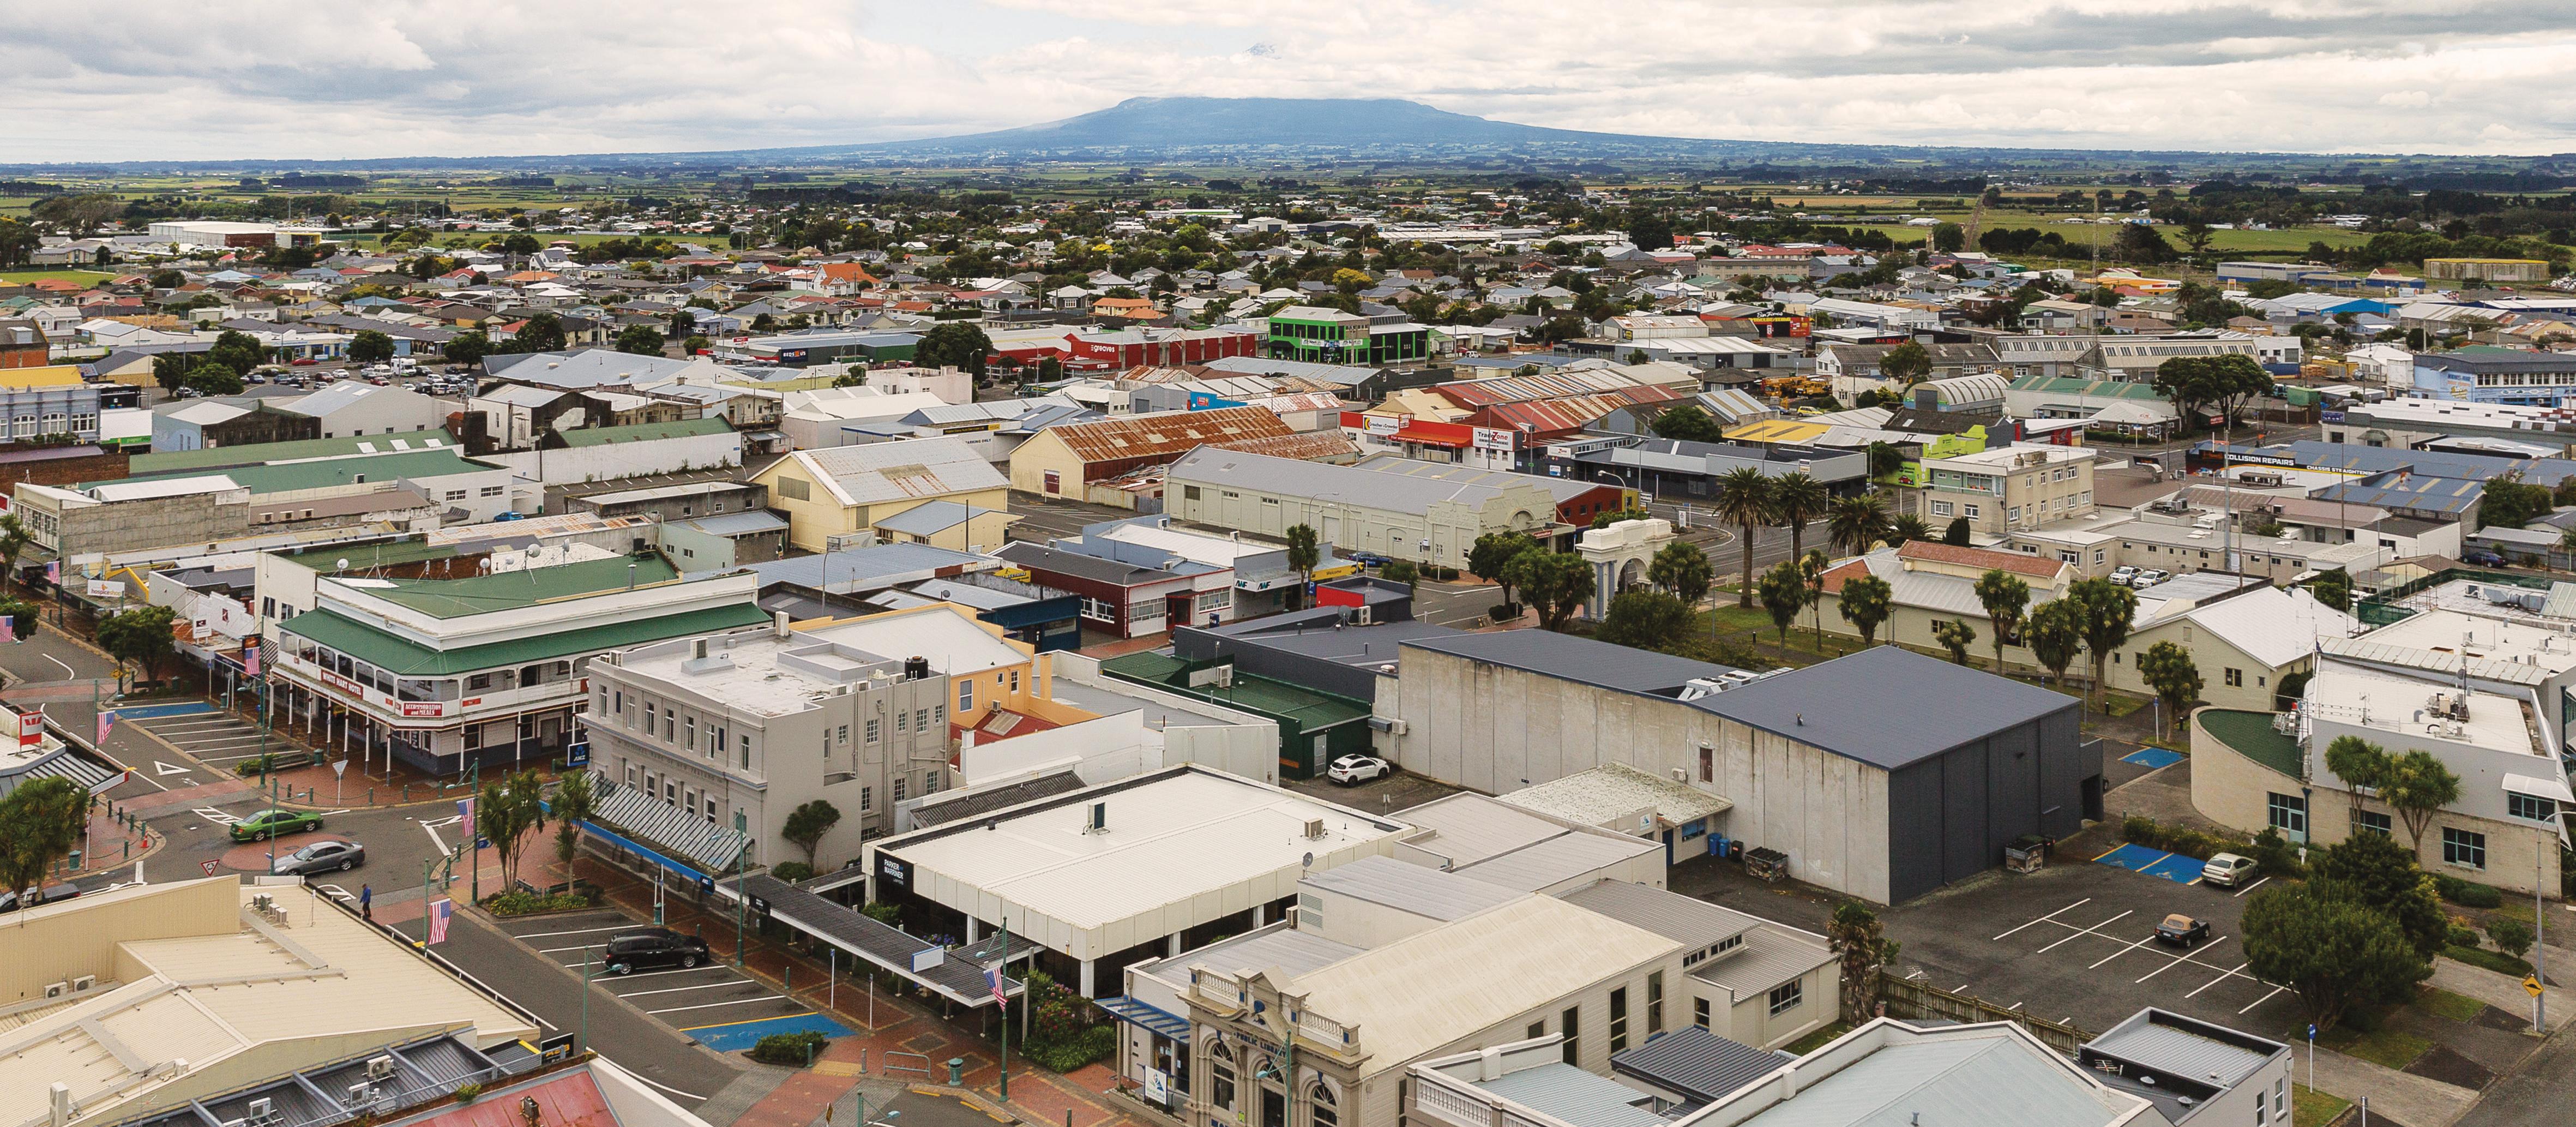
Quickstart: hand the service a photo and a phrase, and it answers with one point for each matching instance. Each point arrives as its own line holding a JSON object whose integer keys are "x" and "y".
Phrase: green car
{"x": 273, "y": 823}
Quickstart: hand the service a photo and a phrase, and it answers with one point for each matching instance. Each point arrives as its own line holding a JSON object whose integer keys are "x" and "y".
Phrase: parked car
{"x": 2150, "y": 578}
{"x": 303, "y": 362}
{"x": 628, "y": 954}
{"x": 1368, "y": 559}
{"x": 2225, "y": 869}
{"x": 2123, "y": 574}
{"x": 2182, "y": 931}
{"x": 272, "y": 823}
{"x": 323, "y": 857}
{"x": 2482, "y": 558}
{"x": 1351, "y": 769}
{"x": 10, "y": 901}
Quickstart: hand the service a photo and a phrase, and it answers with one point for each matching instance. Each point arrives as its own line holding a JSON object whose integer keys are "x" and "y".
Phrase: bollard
{"x": 129, "y": 849}
{"x": 956, "y": 1071}
{"x": 371, "y": 796}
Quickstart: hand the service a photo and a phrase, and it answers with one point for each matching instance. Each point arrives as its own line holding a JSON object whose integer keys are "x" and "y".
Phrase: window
{"x": 2235, "y": 678}
{"x": 692, "y": 729}
{"x": 2288, "y": 812}
{"x": 966, "y": 695}
{"x": 1321, "y": 1111}
{"x": 1537, "y": 1029}
{"x": 1707, "y": 764}
{"x": 473, "y": 737}
{"x": 2530, "y": 806}
{"x": 921, "y": 719}
{"x": 1654, "y": 1003}
{"x": 455, "y": 494}
{"x": 2463, "y": 848}
{"x": 871, "y": 729}
{"x": 1572, "y": 1029}
{"x": 1094, "y": 608}
{"x": 1787, "y": 995}
{"x": 1971, "y": 511}
{"x": 1619, "y": 1020}
{"x": 1015, "y": 680}
{"x": 930, "y": 781}
{"x": 867, "y": 798}
{"x": 898, "y": 790}
{"x": 648, "y": 713}
{"x": 1189, "y": 493}
{"x": 1699, "y": 1012}
{"x": 1220, "y": 1068}
{"x": 902, "y": 722}
{"x": 1940, "y": 508}
{"x": 619, "y": 699}
{"x": 494, "y": 490}
{"x": 844, "y": 735}
{"x": 2371, "y": 821}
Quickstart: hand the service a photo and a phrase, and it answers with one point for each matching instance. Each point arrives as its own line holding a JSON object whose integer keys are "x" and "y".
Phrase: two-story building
{"x": 2005, "y": 488}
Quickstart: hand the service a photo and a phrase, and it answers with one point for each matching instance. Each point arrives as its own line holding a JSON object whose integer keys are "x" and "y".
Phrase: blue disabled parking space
{"x": 2174, "y": 867}
{"x": 740, "y": 1035}
{"x": 2153, "y": 757}
{"x": 160, "y": 711}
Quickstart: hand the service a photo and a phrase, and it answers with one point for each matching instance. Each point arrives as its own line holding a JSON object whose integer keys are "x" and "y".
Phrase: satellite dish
{"x": 1310, "y": 861}
{"x": 343, "y": 565}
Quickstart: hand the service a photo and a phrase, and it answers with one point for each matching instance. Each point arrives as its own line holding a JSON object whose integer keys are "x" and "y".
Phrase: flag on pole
{"x": 465, "y": 816}
{"x": 106, "y": 720}
{"x": 993, "y": 974}
{"x": 54, "y": 572}
{"x": 250, "y": 656}
{"x": 439, "y": 910}
{"x": 8, "y": 628}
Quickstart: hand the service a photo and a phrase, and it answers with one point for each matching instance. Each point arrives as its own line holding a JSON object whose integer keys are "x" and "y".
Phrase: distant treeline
{"x": 517, "y": 182}
{"x": 861, "y": 192}
{"x": 29, "y": 188}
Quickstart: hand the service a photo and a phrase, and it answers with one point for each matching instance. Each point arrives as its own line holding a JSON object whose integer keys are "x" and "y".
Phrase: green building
{"x": 1330, "y": 336}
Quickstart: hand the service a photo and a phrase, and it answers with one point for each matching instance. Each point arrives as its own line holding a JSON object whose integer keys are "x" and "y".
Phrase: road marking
{"x": 160, "y": 767}
{"x": 2251, "y": 887}
{"x": 645, "y": 974}
{"x": 68, "y": 673}
{"x": 2084, "y": 931}
{"x": 2151, "y": 937}
{"x": 561, "y": 950}
{"x": 2051, "y": 917}
{"x": 677, "y": 989}
{"x": 2263, "y": 999}
{"x": 2215, "y": 981}
{"x": 336, "y": 890}
{"x": 218, "y": 817}
{"x": 2185, "y": 957}
{"x": 431, "y": 828}
{"x": 713, "y": 1005}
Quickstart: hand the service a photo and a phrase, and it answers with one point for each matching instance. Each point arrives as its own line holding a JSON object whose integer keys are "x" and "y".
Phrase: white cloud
{"x": 161, "y": 79}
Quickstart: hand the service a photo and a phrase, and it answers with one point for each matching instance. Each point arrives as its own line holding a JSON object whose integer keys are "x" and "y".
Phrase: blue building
{"x": 2536, "y": 379}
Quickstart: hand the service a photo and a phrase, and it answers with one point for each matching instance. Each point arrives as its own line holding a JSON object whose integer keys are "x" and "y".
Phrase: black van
{"x": 629, "y": 953}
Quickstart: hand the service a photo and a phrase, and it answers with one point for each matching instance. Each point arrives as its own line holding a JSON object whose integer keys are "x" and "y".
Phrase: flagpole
{"x": 1003, "y": 1000}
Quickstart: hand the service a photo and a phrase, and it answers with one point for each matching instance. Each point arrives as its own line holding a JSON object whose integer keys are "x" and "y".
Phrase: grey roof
{"x": 1039, "y": 557}
{"x": 1344, "y": 374}
{"x": 862, "y": 569}
{"x": 1419, "y": 889}
{"x": 898, "y": 471}
{"x": 1278, "y": 945}
{"x": 950, "y": 806}
{"x": 1697, "y": 1064}
{"x": 1772, "y": 954}
{"x": 1583, "y": 660}
{"x": 1351, "y": 645}
{"x": 748, "y": 523}
{"x": 1918, "y": 705}
{"x": 2174, "y": 1044}
{"x": 1292, "y": 477}
{"x": 1951, "y": 1079}
{"x": 345, "y": 393}
{"x": 935, "y": 517}
{"x": 1669, "y": 914}
{"x": 1564, "y": 1092}
{"x": 1558, "y": 859}
{"x": 1563, "y": 489}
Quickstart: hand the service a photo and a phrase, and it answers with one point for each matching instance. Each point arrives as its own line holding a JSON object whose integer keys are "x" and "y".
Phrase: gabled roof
{"x": 1984, "y": 558}
{"x": 917, "y": 468}
{"x": 1166, "y": 433}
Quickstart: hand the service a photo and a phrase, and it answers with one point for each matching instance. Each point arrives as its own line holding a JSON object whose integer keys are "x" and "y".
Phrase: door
{"x": 1668, "y": 847}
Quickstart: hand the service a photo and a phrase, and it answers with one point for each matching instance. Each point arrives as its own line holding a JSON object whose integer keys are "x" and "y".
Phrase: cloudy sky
{"x": 166, "y": 79}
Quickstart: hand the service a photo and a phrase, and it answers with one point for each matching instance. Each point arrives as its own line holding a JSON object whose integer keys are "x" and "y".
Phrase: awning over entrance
{"x": 958, "y": 975}
{"x": 1154, "y": 1019}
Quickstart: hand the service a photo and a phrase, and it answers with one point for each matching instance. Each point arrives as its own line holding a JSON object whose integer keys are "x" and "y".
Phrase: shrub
{"x": 2462, "y": 935}
{"x": 1503, "y": 612}
{"x": 2511, "y": 936}
{"x": 2146, "y": 831}
{"x": 2467, "y": 894}
{"x": 2272, "y": 853}
{"x": 518, "y": 902}
{"x": 1073, "y": 1052}
{"x": 792, "y": 871}
{"x": 467, "y": 1091}
{"x": 788, "y": 1048}
{"x": 2496, "y": 961}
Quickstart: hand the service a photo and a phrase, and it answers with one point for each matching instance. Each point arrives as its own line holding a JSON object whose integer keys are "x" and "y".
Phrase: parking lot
{"x": 2076, "y": 942}
{"x": 712, "y": 1003}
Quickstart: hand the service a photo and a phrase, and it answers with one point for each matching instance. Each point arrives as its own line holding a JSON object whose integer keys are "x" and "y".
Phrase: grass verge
{"x": 2496, "y": 961}
{"x": 2312, "y": 1108}
{"x": 2386, "y": 1047}
{"x": 2443, "y": 1003}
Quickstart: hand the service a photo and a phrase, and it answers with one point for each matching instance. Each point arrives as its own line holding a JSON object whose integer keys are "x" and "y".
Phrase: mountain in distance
{"x": 1190, "y": 123}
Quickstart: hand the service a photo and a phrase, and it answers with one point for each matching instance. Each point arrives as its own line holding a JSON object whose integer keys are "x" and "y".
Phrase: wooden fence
{"x": 1905, "y": 999}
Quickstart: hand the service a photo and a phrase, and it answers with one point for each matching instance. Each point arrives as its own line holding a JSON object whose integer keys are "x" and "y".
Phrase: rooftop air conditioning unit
{"x": 1097, "y": 820}
{"x": 380, "y": 1068}
{"x": 1314, "y": 828}
{"x": 360, "y": 1095}
{"x": 263, "y": 1108}
{"x": 1680, "y": 776}
{"x": 57, "y": 989}
{"x": 81, "y": 984}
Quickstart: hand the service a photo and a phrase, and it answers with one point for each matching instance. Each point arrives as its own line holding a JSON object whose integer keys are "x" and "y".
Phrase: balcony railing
{"x": 489, "y": 702}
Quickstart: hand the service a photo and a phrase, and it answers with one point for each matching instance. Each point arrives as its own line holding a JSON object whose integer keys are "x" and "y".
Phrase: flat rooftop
{"x": 1171, "y": 838}
{"x": 2349, "y": 695}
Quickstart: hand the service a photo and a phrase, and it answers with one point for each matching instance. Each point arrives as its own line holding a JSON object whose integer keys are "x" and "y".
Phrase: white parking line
{"x": 604, "y": 975}
{"x": 577, "y": 931}
{"x": 713, "y": 1005}
{"x": 218, "y": 817}
{"x": 2263, "y": 999}
{"x": 2181, "y": 959}
{"x": 677, "y": 989}
{"x": 2217, "y": 980}
{"x": 561, "y": 950}
{"x": 2084, "y": 931}
{"x": 2251, "y": 887}
{"x": 2052, "y": 916}
{"x": 2151, "y": 937}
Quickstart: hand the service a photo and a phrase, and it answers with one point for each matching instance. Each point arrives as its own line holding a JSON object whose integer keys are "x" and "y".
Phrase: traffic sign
{"x": 208, "y": 865}
{"x": 2531, "y": 985}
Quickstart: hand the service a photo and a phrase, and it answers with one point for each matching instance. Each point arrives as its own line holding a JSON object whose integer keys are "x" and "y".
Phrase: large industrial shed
{"x": 1884, "y": 774}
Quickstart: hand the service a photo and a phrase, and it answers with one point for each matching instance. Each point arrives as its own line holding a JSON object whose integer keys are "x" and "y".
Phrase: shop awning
{"x": 955, "y": 974}
{"x": 1152, "y": 1018}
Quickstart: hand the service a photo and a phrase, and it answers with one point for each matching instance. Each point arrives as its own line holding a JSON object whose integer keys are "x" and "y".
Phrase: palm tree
{"x": 1744, "y": 500}
{"x": 2006, "y": 597}
{"x": 1856, "y": 523}
{"x": 1796, "y": 499}
{"x": 1909, "y": 527}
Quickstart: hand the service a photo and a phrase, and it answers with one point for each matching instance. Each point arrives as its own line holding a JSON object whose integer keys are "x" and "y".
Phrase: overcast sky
{"x": 148, "y": 79}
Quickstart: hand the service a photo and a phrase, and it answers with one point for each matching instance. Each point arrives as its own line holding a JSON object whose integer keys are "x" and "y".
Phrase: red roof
{"x": 1832, "y": 580}
{"x": 570, "y": 1100}
{"x": 1986, "y": 558}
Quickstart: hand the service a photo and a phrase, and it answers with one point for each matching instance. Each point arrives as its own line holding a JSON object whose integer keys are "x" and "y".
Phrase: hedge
{"x": 789, "y": 1048}
{"x": 2467, "y": 894}
{"x": 1095, "y": 1043}
{"x": 2143, "y": 830}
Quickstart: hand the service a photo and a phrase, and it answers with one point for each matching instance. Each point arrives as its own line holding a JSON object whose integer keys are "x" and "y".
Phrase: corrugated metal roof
{"x": 1290, "y": 949}
{"x": 916, "y": 468}
{"x": 1571, "y": 412}
{"x": 1166, "y": 433}
{"x": 1556, "y": 860}
{"x": 1772, "y": 954}
{"x": 1997, "y": 1080}
{"x": 1568, "y": 1094}
{"x": 1920, "y": 706}
{"x": 1419, "y": 889}
{"x": 1684, "y": 919}
{"x": 1696, "y": 1063}
{"x": 1577, "y": 659}
{"x": 2171, "y": 1048}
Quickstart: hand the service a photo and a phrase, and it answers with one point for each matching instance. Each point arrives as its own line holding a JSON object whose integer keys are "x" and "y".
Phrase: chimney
{"x": 778, "y": 626}
{"x": 60, "y": 1113}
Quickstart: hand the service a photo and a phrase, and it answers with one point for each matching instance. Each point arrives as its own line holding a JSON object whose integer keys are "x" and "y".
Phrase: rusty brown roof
{"x": 1166, "y": 434}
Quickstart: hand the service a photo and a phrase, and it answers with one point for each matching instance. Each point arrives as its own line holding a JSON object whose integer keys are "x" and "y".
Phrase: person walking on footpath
{"x": 367, "y": 902}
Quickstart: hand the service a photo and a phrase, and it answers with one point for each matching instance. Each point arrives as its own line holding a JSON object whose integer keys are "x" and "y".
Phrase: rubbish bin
{"x": 956, "y": 1071}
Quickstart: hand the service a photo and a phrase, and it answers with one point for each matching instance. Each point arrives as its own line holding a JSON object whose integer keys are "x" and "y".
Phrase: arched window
{"x": 1221, "y": 1076}
{"x": 1323, "y": 1110}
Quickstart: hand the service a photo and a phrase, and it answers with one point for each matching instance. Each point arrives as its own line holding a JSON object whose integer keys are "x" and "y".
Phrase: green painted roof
{"x": 2251, "y": 735}
{"x": 643, "y": 432}
{"x": 293, "y": 476}
{"x": 510, "y": 590}
{"x": 1310, "y": 710}
{"x": 380, "y": 553}
{"x": 147, "y": 465}
{"x": 404, "y": 658}
{"x": 2063, "y": 385}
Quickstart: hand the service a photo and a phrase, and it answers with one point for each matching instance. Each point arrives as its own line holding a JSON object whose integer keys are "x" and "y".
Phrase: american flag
{"x": 8, "y": 628}
{"x": 106, "y": 720}
{"x": 465, "y": 815}
{"x": 993, "y": 974}
{"x": 439, "y": 910}
{"x": 54, "y": 572}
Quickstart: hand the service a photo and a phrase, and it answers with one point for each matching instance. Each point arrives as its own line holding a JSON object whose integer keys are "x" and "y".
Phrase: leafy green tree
{"x": 2511, "y": 936}
{"x": 2140, "y": 243}
{"x": 1556, "y": 584}
{"x": 1855, "y": 523}
{"x": 2235, "y": 379}
{"x": 696, "y": 344}
{"x": 1860, "y": 943}
{"x": 1687, "y": 423}
{"x": 807, "y": 824}
{"x": 1677, "y": 567}
{"x": 1743, "y": 499}
{"x": 641, "y": 340}
{"x": 1632, "y": 512}
{"x": 2105, "y": 613}
{"x": 683, "y": 323}
{"x": 2379, "y": 874}
{"x": 139, "y": 639}
{"x": 1784, "y": 594}
{"x": 2055, "y": 633}
{"x": 2006, "y": 598}
{"x": 1796, "y": 499}
{"x": 1303, "y": 555}
{"x": 211, "y": 378}
{"x": 1949, "y": 237}
{"x": 2185, "y": 380}
{"x": 1650, "y": 230}
{"x": 371, "y": 347}
{"x": 1400, "y": 571}
{"x": 1908, "y": 364}
{"x": 170, "y": 370}
{"x": 2360, "y": 764}
{"x": 2508, "y": 503}
{"x": 1811, "y": 570}
{"x": 543, "y": 332}
{"x": 2333, "y": 588}
{"x": 1491, "y": 556}
{"x": 1956, "y": 535}
{"x": 2332, "y": 952}
{"x": 1955, "y": 636}
{"x": 468, "y": 347}
{"x": 41, "y": 821}
{"x": 574, "y": 802}
{"x": 2418, "y": 785}
{"x": 1645, "y": 618}
{"x": 2167, "y": 669}
{"x": 1866, "y": 602}
{"x": 506, "y": 812}
{"x": 236, "y": 350}
{"x": 954, "y": 344}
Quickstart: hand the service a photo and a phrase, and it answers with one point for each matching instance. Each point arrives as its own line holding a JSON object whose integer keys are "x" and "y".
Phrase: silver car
{"x": 323, "y": 857}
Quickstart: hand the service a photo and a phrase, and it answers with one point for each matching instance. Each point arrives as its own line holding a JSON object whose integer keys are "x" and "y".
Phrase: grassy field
{"x": 85, "y": 277}
{"x": 2312, "y": 1108}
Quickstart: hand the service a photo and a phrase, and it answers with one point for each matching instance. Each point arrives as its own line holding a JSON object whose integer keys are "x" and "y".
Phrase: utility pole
{"x": 1005, "y": 1003}
{"x": 2539, "y": 951}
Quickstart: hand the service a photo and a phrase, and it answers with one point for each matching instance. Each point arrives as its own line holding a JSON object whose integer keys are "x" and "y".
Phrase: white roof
{"x": 161, "y": 487}
{"x": 914, "y": 468}
{"x": 954, "y": 644}
{"x": 2274, "y": 626}
{"x": 1611, "y": 794}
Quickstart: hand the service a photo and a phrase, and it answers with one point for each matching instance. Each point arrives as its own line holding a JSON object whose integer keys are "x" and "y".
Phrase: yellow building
{"x": 848, "y": 489}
